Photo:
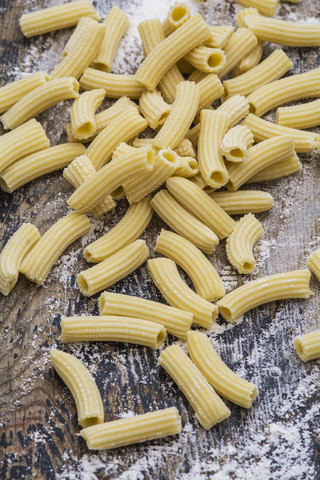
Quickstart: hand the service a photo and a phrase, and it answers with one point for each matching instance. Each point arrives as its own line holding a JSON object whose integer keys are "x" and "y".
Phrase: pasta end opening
{"x": 4, "y": 186}
{"x": 87, "y": 129}
{"x": 162, "y": 335}
{"x": 178, "y": 13}
{"x": 236, "y": 152}
{"x": 252, "y": 108}
{"x": 299, "y": 348}
{"x": 254, "y": 392}
{"x": 214, "y": 60}
{"x": 248, "y": 267}
{"x": 88, "y": 422}
{"x": 226, "y": 313}
{"x": 150, "y": 157}
{"x": 217, "y": 177}
{"x": 83, "y": 284}
{"x": 163, "y": 118}
{"x": 102, "y": 304}
{"x": 169, "y": 156}
{"x": 101, "y": 67}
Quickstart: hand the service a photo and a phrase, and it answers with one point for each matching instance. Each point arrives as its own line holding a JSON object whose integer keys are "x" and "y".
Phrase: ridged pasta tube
{"x": 201, "y": 205}
{"x": 130, "y": 227}
{"x": 177, "y": 293}
{"x": 81, "y": 385}
{"x": 237, "y": 107}
{"x": 282, "y": 168}
{"x": 250, "y": 61}
{"x": 139, "y": 428}
{"x": 241, "y": 241}
{"x": 204, "y": 276}
{"x": 208, "y": 406}
{"x": 199, "y": 181}
{"x": 185, "y": 149}
{"x": 39, "y": 100}
{"x": 308, "y": 346}
{"x": 18, "y": 246}
{"x": 83, "y": 124}
{"x": 183, "y": 222}
{"x": 186, "y": 167}
{"x": 313, "y": 262}
{"x": 236, "y": 142}
{"x": 266, "y": 7}
{"x": 243, "y": 201}
{"x": 154, "y": 108}
{"x": 220, "y": 36}
{"x": 55, "y": 18}
{"x": 77, "y": 34}
{"x": 13, "y": 91}
{"x": 306, "y": 115}
{"x": 38, "y": 263}
{"x": 176, "y": 321}
{"x": 178, "y": 14}
{"x": 240, "y": 44}
{"x": 210, "y": 89}
{"x": 110, "y": 328}
{"x": 281, "y": 286}
{"x": 207, "y": 59}
{"x": 115, "y": 85}
{"x": 228, "y": 384}
{"x": 113, "y": 269}
{"x": 16, "y": 144}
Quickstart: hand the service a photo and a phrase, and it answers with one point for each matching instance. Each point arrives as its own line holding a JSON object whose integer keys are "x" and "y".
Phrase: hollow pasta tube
{"x": 82, "y": 26}
{"x": 154, "y": 109}
{"x": 206, "y": 59}
{"x": 83, "y": 124}
{"x": 308, "y": 346}
{"x": 13, "y": 91}
{"x": 239, "y": 46}
{"x": 210, "y": 89}
{"x": 306, "y": 115}
{"x": 266, "y": 7}
{"x": 236, "y": 143}
{"x": 279, "y": 169}
{"x": 237, "y": 107}
{"x": 185, "y": 149}
{"x": 116, "y": 86}
{"x": 313, "y": 262}
{"x": 243, "y": 201}
{"x": 220, "y": 36}
{"x": 178, "y": 14}
{"x": 186, "y": 167}
{"x": 253, "y": 58}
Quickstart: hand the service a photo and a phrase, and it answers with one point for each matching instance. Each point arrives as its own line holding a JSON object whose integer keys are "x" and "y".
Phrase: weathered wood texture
{"x": 277, "y": 439}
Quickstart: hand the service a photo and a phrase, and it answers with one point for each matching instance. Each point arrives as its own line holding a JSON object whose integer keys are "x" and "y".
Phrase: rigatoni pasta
{"x": 220, "y": 36}
{"x": 236, "y": 142}
{"x": 210, "y": 89}
{"x": 116, "y": 86}
{"x": 281, "y": 168}
{"x": 12, "y": 92}
{"x": 243, "y": 201}
{"x": 83, "y": 124}
{"x": 313, "y": 262}
{"x": 206, "y": 59}
{"x": 308, "y": 346}
{"x": 306, "y": 115}
{"x": 240, "y": 44}
{"x": 153, "y": 107}
{"x": 266, "y": 7}
{"x": 178, "y": 14}
{"x": 83, "y": 24}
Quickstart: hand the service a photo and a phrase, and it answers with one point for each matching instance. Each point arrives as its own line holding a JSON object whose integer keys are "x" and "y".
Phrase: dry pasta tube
{"x": 165, "y": 275}
{"x": 38, "y": 164}
{"x": 250, "y": 61}
{"x": 81, "y": 385}
{"x": 186, "y": 167}
{"x": 183, "y": 222}
{"x": 113, "y": 269}
{"x": 178, "y": 14}
{"x": 185, "y": 149}
{"x": 12, "y": 92}
{"x": 238, "y": 47}
{"x": 130, "y": 227}
{"x": 204, "y": 276}
{"x": 208, "y": 406}
{"x": 110, "y": 328}
{"x": 154, "y": 109}
{"x": 266, "y": 7}
{"x": 191, "y": 197}
{"x": 142, "y": 142}
{"x": 210, "y": 89}
{"x": 213, "y": 127}
{"x": 139, "y": 428}
{"x": 38, "y": 263}
{"x": 197, "y": 76}
{"x": 220, "y": 36}
{"x": 18, "y": 246}
{"x": 306, "y": 115}
{"x": 83, "y": 110}
{"x": 176, "y": 321}
{"x": 243, "y": 201}
{"x": 39, "y": 100}
{"x": 313, "y": 262}
{"x": 82, "y": 26}
{"x": 169, "y": 51}
{"x": 28, "y": 138}
{"x": 236, "y": 142}
{"x": 237, "y": 108}
{"x": 55, "y": 18}
{"x": 116, "y": 24}
{"x": 272, "y": 68}
{"x": 308, "y": 346}
{"x": 281, "y": 286}
{"x": 116, "y": 86}
{"x": 206, "y": 59}
{"x": 223, "y": 380}
{"x": 262, "y": 130}
{"x": 285, "y": 90}
{"x": 121, "y": 149}
{"x": 280, "y": 169}
{"x": 241, "y": 241}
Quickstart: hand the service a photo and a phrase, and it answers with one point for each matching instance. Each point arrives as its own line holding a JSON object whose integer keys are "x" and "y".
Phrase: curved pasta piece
{"x": 239, "y": 46}
{"x": 81, "y": 385}
{"x": 236, "y": 142}
{"x": 266, "y": 7}
{"x": 115, "y": 85}
{"x": 206, "y": 59}
{"x": 15, "y": 250}
{"x": 186, "y": 167}
{"x": 281, "y": 286}
{"x": 178, "y": 14}
{"x": 81, "y": 27}
{"x": 282, "y": 168}
{"x": 313, "y": 262}
{"x": 250, "y": 61}
{"x": 243, "y": 201}
{"x": 208, "y": 406}
{"x": 13, "y": 91}
{"x": 237, "y": 107}
{"x": 308, "y": 346}
{"x": 166, "y": 277}
{"x": 306, "y": 115}
{"x": 220, "y": 36}
{"x": 241, "y": 241}
{"x": 83, "y": 124}
{"x": 210, "y": 89}
{"x": 154, "y": 108}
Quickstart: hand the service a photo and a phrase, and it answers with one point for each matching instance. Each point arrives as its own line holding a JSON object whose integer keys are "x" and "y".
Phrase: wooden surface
{"x": 277, "y": 439}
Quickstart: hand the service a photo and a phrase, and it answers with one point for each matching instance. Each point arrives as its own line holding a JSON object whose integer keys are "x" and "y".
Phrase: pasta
{"x": 38, "y": 263}
{"x": 266, "y": 7}
{"x": 176, "y": 321}
{"x": 185, "y": 149}
{"x": 208, "y": 407}
{"x": 250, "y": 61}
{"x": 206, "y": 59}
{"x": 237, "y": 108}
{"x": 236, "y": 142}
{"x": 154, "y": 109}
{"x": 282, "y": 168}
{"x": 210, "y": 89}
{"x": 220, "y": 36}
{"x": 313, "y": 262}
{"x": 18, "y": 246}
{"x": 116, "y": 86}
{"x": 308, "y": 346}
{"x": 12, "y": 92}
{"x": 306, "y": 115}
{"x": 83, "y": 109}
{"x": 113, "y": 269}
{"x": 281, "y": 286}
{"x": 186, "y": 167}
{"x": 240, "y": 44}
{"x": 81, "y": 385}
{"x": 243, "y": 201}
{"x": 82, "y": 26}
{"x": 178, "y": 14}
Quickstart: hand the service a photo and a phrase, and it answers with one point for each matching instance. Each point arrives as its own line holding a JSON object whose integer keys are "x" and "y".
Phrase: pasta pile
{"x": 196, "y": 150}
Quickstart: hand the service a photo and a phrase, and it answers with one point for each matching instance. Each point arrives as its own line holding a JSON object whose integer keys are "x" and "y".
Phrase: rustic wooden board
{"x": 277, "y": 439}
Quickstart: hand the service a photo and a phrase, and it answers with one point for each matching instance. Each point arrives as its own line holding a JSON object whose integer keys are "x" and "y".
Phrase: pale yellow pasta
{"x": 28, "y": 138}
{"x": 197, "y": 76}
{"x": 199, "y": 181}
{"x": 77, "y": 33}
{"x": 210, "y": 89}
{"x": 39, "y": 100}
{"x": 204, "y": 276}
{"x": 206, "y": 59}
{"x": 38, "y": 164}
{"x": 113, "y": 268}
{"x": 281, "y": 286}
{"x": 116, "y": 24}
{"x": 13, "y": 91}
{"x": 185, "y": 149}
{"x": 269, "y": 152}
{"x": 213, "y": 127}
{"x": 308, "y": 346}
{"x": 243, "y": 201}
{"x": 201, "y": 205}
{"x": 208, "y": 406}
{"x": 185, "y": 67}
{"x": 110, "y": 328}
{"x": 239, "y": 46}
{"x": 178, "y": 14}
{"x": 313, "y": 262}
{"x": 81, "y": 385}
{"x": 306, "y": 115}
{"x": 55, "y": 18}
{"x": 176, "y": 321}
{"x": 38, "y": 263}
{"x": 121, "y": 149}
{"x": 183, "y": 222}
{"x": 266, "y": 7}
{"x": 285, "y": 90}
{"x": 241, "y": 242}
{"x": 237, "y": 108}
{"x": 165, "y": 275}
{"x": 220, "y": 36}
{"x": 128, "y": 229}
{"x": 272, "y": 68}
{"x": 228, "y": 384}
{"x": 153, "y": 107}
{"x": 17, "y": 247}
{"x": 161, "y": 58}
{"x": 139, "y": 428}
{"x": 262, "y": 130}
{"x": 279, "y": 169}
{"x": 250, "y": 61}
{"x": 236, "y": 143}
{"x": 83, "y": 124}
{"x": 186, "y": 167}
{"x": 142, "y": 142}
{"x": 116, "y": 86}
